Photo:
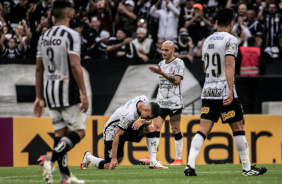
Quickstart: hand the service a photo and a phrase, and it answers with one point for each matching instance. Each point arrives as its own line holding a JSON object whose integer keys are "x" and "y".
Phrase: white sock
{"x": 242, "y": 147}
{"x": 196, "y": 145}
{"x": 152, "y": 145}
{"x": 94, "y": 160}
{"x": 178, "y": 148}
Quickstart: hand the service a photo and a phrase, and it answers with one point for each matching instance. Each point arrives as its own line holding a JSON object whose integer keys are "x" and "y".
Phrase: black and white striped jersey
{"x": 60, "y": 88}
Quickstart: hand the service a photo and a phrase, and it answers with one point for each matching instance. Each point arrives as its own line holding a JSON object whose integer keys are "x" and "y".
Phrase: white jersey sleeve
{"x": 38, "y": 53}
{"x": 232, "y": 47}
{"x": 74, "y": 43}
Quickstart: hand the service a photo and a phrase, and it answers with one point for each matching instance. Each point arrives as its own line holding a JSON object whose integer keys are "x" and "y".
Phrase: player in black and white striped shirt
{"x": 59, "y": 79}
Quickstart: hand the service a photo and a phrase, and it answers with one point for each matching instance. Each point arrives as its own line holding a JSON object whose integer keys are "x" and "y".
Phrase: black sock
{"x": 66, "y": 143}
{"x": 158, "y": 134}
{"x": 62, "y": 162}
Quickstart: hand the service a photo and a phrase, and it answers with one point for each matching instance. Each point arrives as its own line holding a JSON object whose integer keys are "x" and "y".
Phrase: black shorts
{"x": 129, "y": 135}
{"x": 171, "y": 112}
{"x": 213, "y": 109}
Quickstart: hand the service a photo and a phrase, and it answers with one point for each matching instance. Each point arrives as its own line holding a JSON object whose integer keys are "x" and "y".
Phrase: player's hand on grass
{"x": 136, "y": 125}
{"x": 227, "y": 101}
{"x": 84, "y": 103}
{"x": 113, "y": 163}
{"x": 38, "y": 107}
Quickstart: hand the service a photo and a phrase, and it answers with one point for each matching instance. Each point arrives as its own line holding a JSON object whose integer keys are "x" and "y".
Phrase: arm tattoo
{"x": 171, "y": 78}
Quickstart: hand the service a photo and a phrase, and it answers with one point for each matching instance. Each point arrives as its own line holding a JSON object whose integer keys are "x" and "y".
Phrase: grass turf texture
{"x": 207, "y": 174}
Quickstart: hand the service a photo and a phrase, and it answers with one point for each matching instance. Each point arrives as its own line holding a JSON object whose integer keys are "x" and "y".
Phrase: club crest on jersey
{"x": 226, "y": 116}
{"x": 205, "y": 110}
{"x": 124, "y": 123}
{"x": 171, "y": 68}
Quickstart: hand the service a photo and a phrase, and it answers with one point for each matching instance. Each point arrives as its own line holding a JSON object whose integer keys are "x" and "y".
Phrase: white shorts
{"x": 70, "y": 117}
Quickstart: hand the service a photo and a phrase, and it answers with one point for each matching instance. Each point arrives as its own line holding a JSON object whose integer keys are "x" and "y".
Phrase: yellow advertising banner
{"x": 33, "y": 137}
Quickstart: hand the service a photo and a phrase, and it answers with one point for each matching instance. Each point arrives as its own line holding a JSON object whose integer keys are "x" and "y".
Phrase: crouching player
{"x": 123, "y": 126}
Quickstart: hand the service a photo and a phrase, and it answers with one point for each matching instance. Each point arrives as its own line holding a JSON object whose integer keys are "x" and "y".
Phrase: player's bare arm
{"x": 174, "y": 79}
{"x": 78, "y": 76}
{"x": 137, "y": 124}
{"x": 116, "y": 138}
{"x": 229, "y": 70}
{"x": 39, "y": 104}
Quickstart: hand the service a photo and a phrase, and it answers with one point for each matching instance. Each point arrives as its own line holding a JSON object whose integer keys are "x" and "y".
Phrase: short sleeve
{"x": 39, "y": 53}
{"x": 179, "y": 70}
{"x": 74, "y": 43}
{"x": 232, "y": 47}
{"x": 126, "y": 120}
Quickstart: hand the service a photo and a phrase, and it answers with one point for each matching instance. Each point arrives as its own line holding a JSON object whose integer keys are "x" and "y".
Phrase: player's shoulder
{"x": 178, "y": 61}
{"x": 71, "y": 31}
{"x": 142, "y": 98}
{"x": 162, "y": 62}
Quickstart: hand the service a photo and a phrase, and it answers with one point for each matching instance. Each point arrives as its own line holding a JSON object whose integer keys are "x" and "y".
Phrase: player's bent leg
{"x": 95, "y": 161}
{"x": 157, "y": 124}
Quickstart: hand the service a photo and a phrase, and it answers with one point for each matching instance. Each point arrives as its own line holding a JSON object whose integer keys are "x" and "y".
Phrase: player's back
{"x": 60, "y": 89}
{"x": 215, "y": 48}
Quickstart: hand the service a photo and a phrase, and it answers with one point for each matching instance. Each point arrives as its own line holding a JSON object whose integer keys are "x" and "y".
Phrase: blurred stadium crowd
{"x": 136, "y": 29}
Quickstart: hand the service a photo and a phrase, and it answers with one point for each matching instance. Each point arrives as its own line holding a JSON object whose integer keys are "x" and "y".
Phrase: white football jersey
{"x": 215, "y": 48}
{"x": 123, "y": 117}
{"x": 60, "y": 88}
{"x": 169, "y": 95}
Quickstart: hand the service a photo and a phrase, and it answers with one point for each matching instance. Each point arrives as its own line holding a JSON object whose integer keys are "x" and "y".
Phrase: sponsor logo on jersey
{"x": 212, "y": 92}
{"x": 216, "y": 38}
{"x": 205, "y": 110}
{"x": 49, "y": 42}
{"x": 226, "y": 116}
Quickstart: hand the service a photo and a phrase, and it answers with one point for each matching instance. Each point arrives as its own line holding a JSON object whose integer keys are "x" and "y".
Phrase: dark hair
{"x": 225, "y": 16}
{"x": 60, "y": 5}
{"x": 251, "y": 41}
{"x": 155, "y": 109}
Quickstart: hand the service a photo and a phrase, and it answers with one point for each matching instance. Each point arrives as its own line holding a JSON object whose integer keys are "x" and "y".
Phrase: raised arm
{"x": 27, "y": 32}
{"x": 153, "y": 10}
{"x": 2, "y": 46}
{"x": 115, "y": 47}
{"x": 174, "y": 79}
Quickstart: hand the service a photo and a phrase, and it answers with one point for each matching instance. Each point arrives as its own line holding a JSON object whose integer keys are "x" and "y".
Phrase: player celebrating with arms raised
{"x": 219, "y": 97}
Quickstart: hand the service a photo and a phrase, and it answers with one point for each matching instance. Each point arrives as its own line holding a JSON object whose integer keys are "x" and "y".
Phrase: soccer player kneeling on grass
{"x": 123, "y": 126}
{"x": 219, "y": 52}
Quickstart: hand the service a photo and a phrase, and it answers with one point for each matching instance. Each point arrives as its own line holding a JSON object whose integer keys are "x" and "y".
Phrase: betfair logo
{"x": 228, "y": 115}
{"x": 205, "y": 110}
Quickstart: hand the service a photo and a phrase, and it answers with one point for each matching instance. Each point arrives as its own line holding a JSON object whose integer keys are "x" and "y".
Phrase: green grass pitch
{"x": 139, "y": 174}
